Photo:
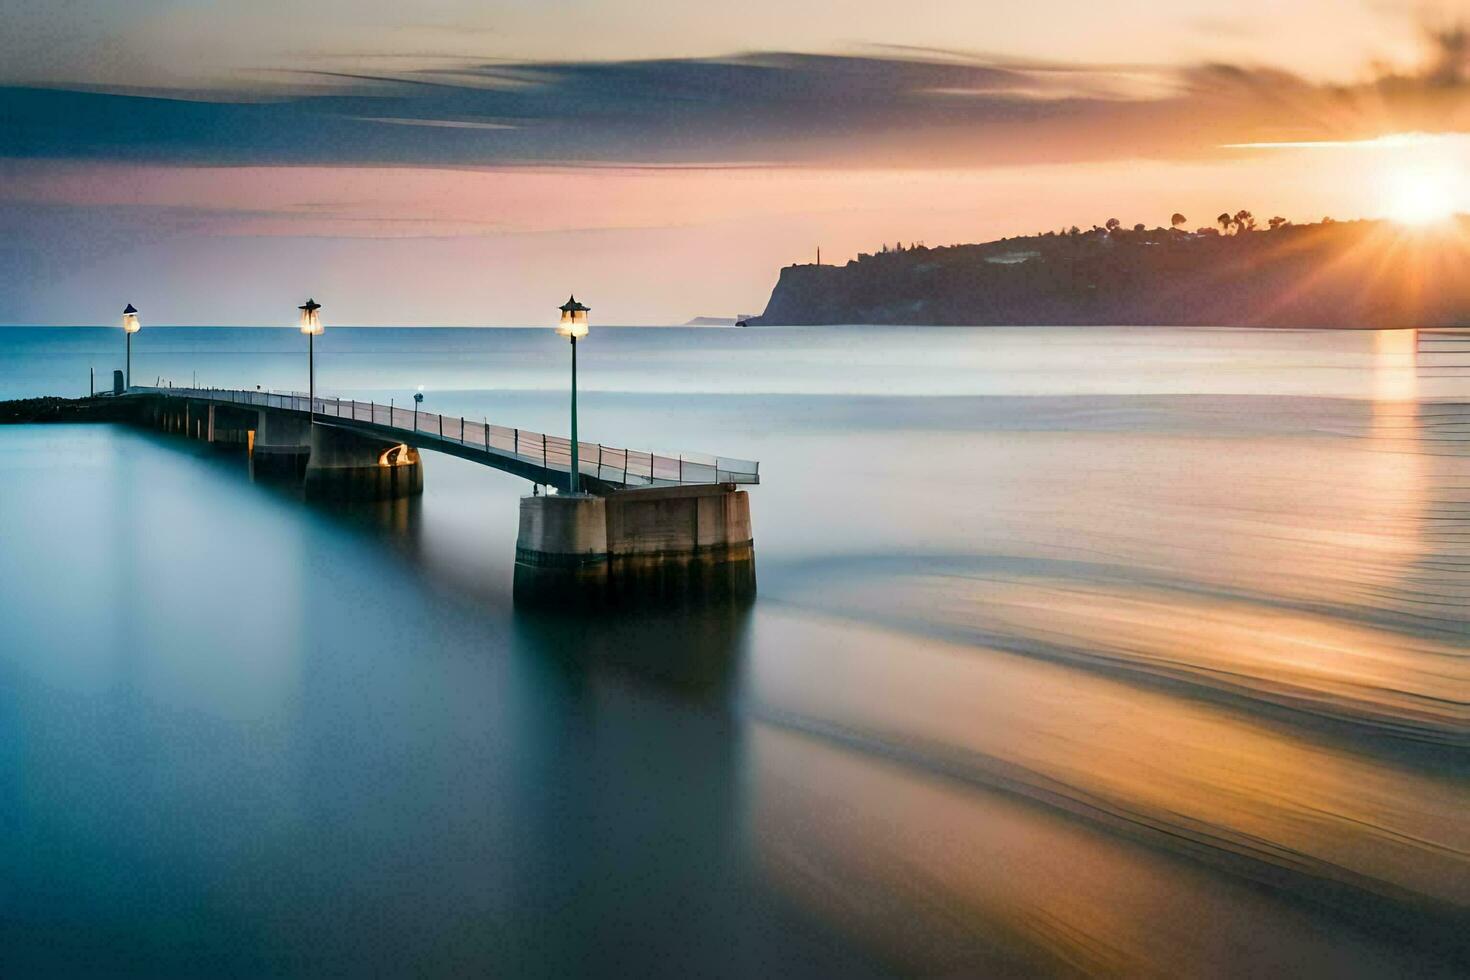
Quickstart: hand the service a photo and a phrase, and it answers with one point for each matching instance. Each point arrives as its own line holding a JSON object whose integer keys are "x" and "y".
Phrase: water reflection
{"x": 1166, "y": 684}
{"x": 397, "y": 524}
{"x": 694, "y": 650}
{"x": 1395, "y": 366}
{"x": 953, "y": 878}
{"x": 1439, "y": 581}
{"x": 1232, "y": 652}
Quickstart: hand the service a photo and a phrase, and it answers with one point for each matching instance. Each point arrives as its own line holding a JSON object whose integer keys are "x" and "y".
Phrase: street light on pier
{"x": 130, "y": 326}
{"x": 311, "y": 325}
{"x": 573, "y": 325}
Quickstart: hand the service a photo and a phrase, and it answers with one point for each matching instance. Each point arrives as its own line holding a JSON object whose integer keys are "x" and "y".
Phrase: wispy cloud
{"x": 904, "y": 109}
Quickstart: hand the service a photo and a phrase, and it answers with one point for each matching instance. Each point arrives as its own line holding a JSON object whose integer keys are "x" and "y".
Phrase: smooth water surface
{"x": 1106, "y": 651}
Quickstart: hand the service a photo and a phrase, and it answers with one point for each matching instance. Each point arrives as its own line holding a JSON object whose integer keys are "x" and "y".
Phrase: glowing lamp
{"x": 573, "y": 319}
{"x": 130, "y": 326}
{"x": 573, "y": 325}
{"x": 311, "y": 325}
{"x": 311, "y": 318}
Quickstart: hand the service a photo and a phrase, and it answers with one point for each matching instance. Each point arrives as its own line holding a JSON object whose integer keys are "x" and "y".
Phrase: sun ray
{"x": 1412, "y": 178}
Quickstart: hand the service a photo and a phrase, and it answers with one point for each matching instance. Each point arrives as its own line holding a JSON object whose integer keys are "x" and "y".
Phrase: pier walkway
{"x": 540, "y": 458}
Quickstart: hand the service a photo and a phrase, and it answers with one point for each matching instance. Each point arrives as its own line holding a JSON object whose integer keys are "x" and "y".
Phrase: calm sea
{"x": 1133, "y": 652}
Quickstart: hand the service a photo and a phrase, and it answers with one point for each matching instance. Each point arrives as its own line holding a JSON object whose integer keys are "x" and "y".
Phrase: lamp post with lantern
{"x": 311, "y": 325}
{"x": 573, "y": 325}
{"x": 130, "y": 325}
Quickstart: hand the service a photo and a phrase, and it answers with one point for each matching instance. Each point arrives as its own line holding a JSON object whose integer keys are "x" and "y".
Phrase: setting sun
{"x": 1410, "y": 178}
{"x": 1423, "y": 178}
{"x": 1420, "y": 197}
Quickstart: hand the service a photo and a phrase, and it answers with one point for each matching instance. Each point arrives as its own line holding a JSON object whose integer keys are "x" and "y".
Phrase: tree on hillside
{"x": 1177, "y": 220}
{"x": 1225, "y": 221}
{"x": 1277, "y": 222}
{"x": 1244, "y": 221}
{"x": 1113, "y": 224}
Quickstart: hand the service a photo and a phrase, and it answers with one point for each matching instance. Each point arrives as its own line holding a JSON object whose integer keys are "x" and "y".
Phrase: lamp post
{"x": 311, "y": 325}
{"x": 573, "y": 325}
{"x": 130, "y": 326}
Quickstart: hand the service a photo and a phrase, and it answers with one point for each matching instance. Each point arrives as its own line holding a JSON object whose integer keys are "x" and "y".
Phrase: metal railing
{"x": 626, "y": 467}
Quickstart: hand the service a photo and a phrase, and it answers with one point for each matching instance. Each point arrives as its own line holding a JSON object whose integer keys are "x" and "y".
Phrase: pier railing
{"x": 613, "y": 465}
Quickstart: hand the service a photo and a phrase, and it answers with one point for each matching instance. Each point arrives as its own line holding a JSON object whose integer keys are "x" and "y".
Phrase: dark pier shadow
{"x": 686, "y": 648}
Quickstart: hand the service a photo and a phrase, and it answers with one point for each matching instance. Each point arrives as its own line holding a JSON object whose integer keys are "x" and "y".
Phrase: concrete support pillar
{"x": 209, "y": 436}
{"x": 346, "y": 466}
{"x": 231, "y": 426}
{"x": 561, "y": 551}
{"x": 194, "y": 413}
{"x": 668, "y": 544}
{"x": 282, "y": 445}
{"x": 673, "y": 543}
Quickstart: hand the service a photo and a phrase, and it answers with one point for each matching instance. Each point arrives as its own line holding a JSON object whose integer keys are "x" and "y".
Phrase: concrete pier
{"x": 561, "y": 549}
{"x": 626, "y": 543}
{"x": 660, "y": 544}
{"x": 281, "y": 445}
{"x": 673, "y": 542}
{"x": 231, "y": 427}
{"x": 345, "y": 465}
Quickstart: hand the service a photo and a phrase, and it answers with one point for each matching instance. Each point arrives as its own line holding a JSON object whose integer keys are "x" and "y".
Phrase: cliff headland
{"x": 1355, "y": 274}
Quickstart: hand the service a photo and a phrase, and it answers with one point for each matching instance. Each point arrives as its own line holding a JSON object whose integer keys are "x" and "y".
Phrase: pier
{"x": 641, "y": 524}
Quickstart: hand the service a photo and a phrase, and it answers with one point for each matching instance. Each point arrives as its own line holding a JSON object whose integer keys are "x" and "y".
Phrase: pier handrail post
{"x": 515, "y": 442}
{"x": 461, "y": 430}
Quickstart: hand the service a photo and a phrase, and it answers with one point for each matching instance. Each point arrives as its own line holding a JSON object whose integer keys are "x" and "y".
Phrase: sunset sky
{"x": 457, "y": 162}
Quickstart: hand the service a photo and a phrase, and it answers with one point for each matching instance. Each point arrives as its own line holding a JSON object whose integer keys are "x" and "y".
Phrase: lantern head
{"x": 311, "y": 319}
{"x": 130, "y": 319}
{"x": 573, "y": 319}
